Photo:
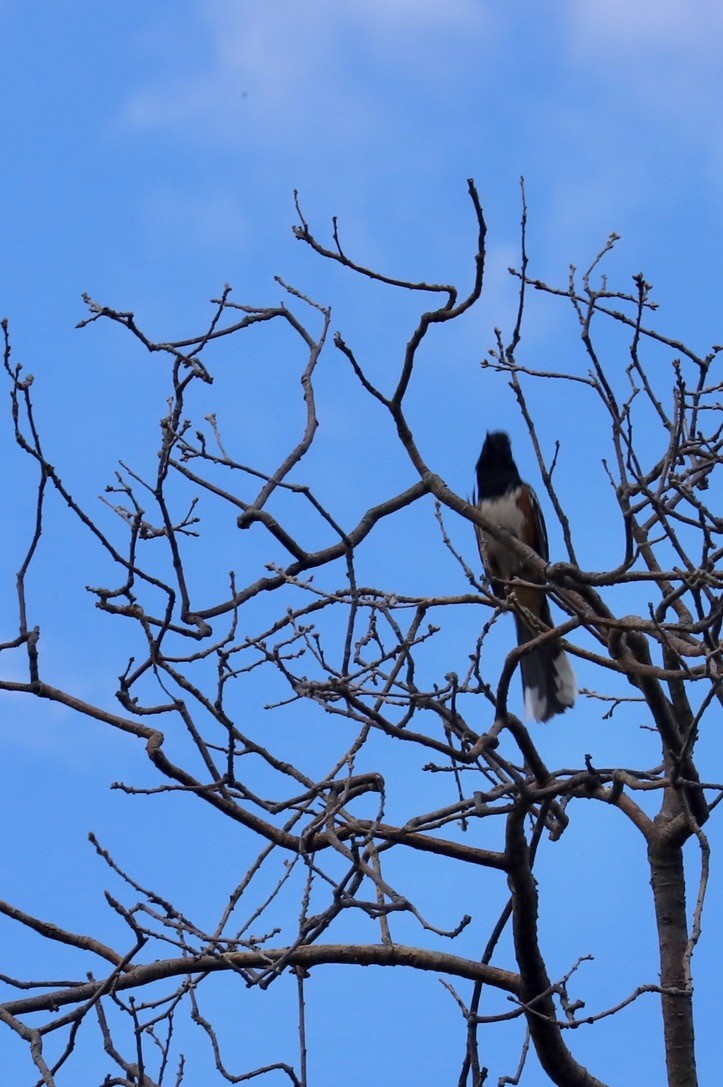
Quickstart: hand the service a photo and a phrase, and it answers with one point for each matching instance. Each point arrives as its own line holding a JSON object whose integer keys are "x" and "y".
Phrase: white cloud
{"x": 647, "y": 26}
{"x": 290, "y": 59}
{"x": 413, "y": 15}
{"x": 657, "y": 63}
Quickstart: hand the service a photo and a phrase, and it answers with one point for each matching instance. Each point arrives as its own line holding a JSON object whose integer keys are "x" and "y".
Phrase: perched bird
{"x": 547, "y": 676}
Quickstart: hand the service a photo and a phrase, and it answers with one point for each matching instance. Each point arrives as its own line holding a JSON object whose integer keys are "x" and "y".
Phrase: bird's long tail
{"x": 547, "y": 677}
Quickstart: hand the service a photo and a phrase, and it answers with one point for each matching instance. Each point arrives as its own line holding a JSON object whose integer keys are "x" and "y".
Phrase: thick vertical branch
{"x": 668, "y": 882}
{"x": 537, "y": 988}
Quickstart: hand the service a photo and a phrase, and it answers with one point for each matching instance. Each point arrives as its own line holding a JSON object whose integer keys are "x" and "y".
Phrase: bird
{"x": 548, "y": 680}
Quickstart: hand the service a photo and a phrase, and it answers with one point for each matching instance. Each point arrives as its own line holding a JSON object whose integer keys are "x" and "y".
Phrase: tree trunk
{"x": 668, "y": 883}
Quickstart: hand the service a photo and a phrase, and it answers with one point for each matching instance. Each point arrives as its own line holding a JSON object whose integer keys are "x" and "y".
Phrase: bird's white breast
{"x": 507, "y": 514}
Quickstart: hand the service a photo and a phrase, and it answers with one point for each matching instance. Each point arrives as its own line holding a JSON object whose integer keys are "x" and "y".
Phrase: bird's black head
{"x": 496, "y": 447}
{"x": 496, "y": 471}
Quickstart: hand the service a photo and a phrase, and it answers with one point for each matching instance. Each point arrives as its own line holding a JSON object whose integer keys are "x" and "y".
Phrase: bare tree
{"x": 378, "y": 754}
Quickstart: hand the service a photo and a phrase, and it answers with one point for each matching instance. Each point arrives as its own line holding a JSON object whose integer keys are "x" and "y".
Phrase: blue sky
{"x": 150, "y": 156}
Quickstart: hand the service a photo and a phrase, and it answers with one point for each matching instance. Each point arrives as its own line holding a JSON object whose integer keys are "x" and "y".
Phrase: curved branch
{"x": 308, "y": 957}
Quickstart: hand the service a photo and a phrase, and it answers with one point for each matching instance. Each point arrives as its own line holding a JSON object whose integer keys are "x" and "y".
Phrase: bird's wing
{"x": 534, "y": 521}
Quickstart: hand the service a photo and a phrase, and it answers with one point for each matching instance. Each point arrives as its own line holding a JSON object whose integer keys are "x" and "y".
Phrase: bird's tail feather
{"x": 547, "y": 677}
